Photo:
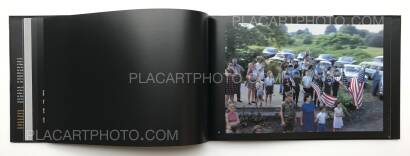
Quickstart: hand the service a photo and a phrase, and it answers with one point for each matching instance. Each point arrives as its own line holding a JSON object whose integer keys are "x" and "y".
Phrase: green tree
{"x": 339, "y": 41}
{"x": 239, "y": 38}
{"x": 308, "y": 39}
{"x": 276, "y": 35}
{"x": 348, "y": 29}
{"x": 330, "y": 29}
{"x": 375, "y": 39}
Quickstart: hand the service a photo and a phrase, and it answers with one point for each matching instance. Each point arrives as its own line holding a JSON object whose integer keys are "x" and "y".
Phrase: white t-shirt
{"x": 338, "y": 112}
{"x": 269, "y": 81}
{"x": 307, "y": 80}
{"x": 322, "y": 116}
{"x": 260, "y": 69}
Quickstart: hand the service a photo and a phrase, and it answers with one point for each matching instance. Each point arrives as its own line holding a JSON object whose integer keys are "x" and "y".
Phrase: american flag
{"x": 324, "y": 98}
{"x": 356, "y": 89}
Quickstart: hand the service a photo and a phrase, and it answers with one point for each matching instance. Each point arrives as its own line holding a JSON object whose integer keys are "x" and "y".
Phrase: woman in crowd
{"x": 269, "y": 82}
{"x": 308, "y": 112}
{"x": 338, "y": 117}
{"x": 260, "y": 67}
{"x": 251, "y": 76}
{"x": 231, "y": 119}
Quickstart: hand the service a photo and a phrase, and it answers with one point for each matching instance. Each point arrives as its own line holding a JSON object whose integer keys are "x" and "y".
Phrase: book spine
{"x": 17, "y": 90}
{"x": 394, "y": 79}
{"x": 26, "y": 93}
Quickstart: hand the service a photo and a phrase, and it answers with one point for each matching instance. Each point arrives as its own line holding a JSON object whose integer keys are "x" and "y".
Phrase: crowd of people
{"x": 295, "y": 78}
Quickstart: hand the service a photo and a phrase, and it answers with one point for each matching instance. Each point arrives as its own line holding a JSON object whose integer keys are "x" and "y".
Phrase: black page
{"x": 87, "y": 62}
{"x": 218, "y": 28}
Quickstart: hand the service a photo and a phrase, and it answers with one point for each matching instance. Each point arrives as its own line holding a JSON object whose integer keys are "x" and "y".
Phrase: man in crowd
{"x": 376, "y": 82}
{"x": 307, "y": 83}
{"x": 238, "y": 70}
{"x": 318, "y": 79}
{"x": 288, "y": 113}
{"x": 286, "y": 83}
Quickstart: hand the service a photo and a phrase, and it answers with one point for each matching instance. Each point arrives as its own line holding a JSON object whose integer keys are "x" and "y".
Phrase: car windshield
{"x": 324, "y": 65}
{"x": 352, "y": 69}
{"x": 284, "y": 56}
{"x": 325, "y": 56}
{"x": 270, "y": 49}
{"x": 347, "y": 59}
{"x": 365, "y": 65}
{"x": 280, "y": 55}
{"x": 376, "y": 67}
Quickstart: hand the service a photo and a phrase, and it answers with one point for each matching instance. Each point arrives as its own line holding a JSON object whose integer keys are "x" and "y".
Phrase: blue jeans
{"x": 321, "y": 127}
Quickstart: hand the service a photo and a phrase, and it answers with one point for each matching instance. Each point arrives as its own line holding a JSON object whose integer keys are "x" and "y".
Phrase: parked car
{"x": 371, "y": 68}
{"x": 282, "y": 56}
{"x": 344, "y": 60}
{"x": 351, "y": 70}
{"x": 269, "y": 52}
{"x": 378, "y": 59}
{"x": 325, "y": 57}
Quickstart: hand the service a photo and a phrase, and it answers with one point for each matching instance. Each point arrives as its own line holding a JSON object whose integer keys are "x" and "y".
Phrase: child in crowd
{"x": 231, "y": 119}
{"x": 338, "y": 117}
{"x": 269, "y": 82}
{"x": 321, "y": 118}
{"x": 259, "y": 91}
{"x": 298, "y": 116}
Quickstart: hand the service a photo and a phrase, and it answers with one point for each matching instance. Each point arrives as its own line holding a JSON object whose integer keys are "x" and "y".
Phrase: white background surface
{"x": 212, "y": 7}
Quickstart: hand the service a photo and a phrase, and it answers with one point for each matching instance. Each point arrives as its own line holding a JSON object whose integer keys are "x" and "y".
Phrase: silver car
{"x": 344, "y": 60}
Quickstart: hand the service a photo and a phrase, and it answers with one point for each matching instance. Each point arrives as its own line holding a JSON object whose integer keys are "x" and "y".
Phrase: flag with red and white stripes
{"x": 324, "y": 98}
{"x": 356, "y": 89}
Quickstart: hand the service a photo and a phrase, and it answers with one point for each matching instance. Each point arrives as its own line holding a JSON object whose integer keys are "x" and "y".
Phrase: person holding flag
{"x": 356, "y": 88}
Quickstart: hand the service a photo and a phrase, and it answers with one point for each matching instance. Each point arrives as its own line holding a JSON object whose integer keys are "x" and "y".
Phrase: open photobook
{"x": 164, "y": 77}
